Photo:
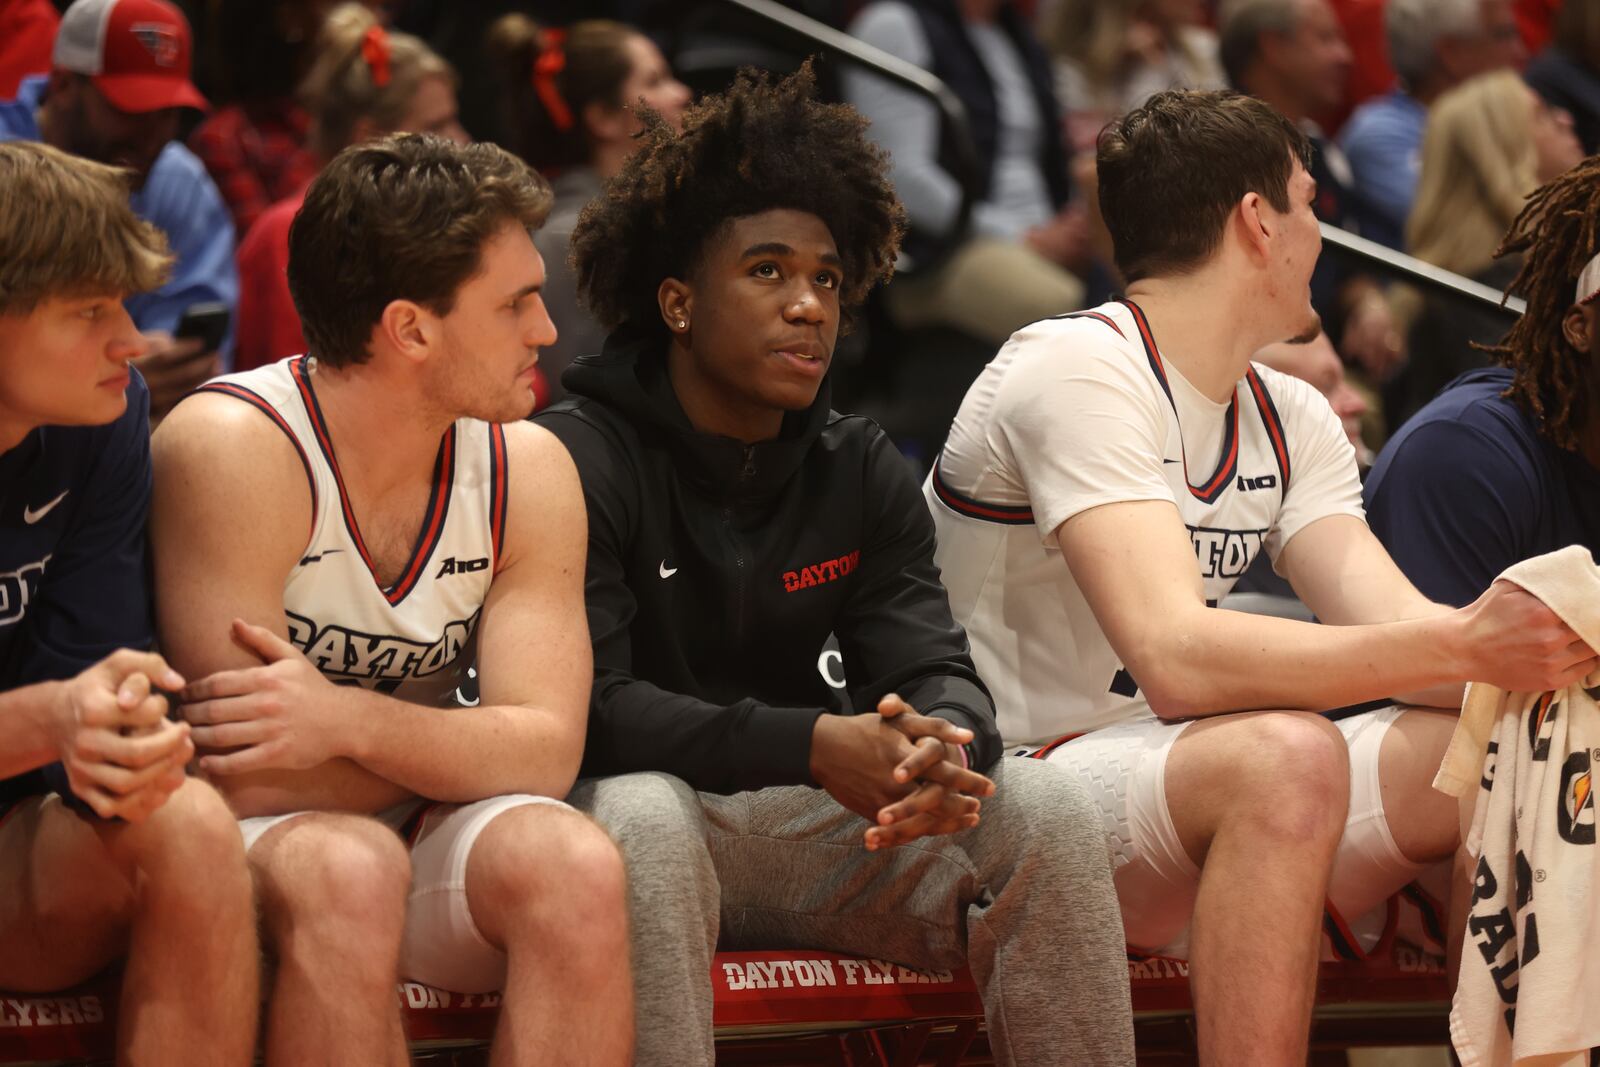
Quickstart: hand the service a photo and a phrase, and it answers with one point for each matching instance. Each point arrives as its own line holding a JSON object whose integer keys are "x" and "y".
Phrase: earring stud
{"x": 681, "y": 324}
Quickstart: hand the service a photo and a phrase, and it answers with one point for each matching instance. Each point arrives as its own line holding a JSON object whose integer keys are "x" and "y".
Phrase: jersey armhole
{"x": 497, "y": 490}
{"x": 239, "y": 392}
{"x": 1273, "y": 423}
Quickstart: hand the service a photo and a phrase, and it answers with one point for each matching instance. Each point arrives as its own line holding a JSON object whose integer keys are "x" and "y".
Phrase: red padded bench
{"x": 799, "y": 1007}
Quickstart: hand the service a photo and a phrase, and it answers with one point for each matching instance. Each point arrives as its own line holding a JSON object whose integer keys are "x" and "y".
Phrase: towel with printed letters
{"x": 1529, "y": 991}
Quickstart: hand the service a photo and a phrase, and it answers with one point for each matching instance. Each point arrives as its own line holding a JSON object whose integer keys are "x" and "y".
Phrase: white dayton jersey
{"x": 1081, "y": 411}
{"x": 417, "y": 638}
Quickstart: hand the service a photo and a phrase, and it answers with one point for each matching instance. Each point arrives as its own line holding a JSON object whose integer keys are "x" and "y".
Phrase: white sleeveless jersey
{"x": 415, "y": 639}
{"x": 1081, "y": 411}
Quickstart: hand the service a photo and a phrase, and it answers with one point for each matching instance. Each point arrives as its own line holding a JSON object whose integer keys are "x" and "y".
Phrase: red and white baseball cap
{"x": 136, "y": 52}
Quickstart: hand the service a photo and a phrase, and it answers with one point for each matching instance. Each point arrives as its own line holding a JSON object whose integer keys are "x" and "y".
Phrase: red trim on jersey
{"x": 444, "y": 476}
{"x": 1274, "y": 424}
{"x": 1108, "y": 320}
{"x": 438, "y": 500}
{"x": 498, "y": 489}
{"x": 1005, "y": 514}
{"x": 239, "y": 392}
{"x": 1228, "y": 465}
{"x": 1052, "y": 746}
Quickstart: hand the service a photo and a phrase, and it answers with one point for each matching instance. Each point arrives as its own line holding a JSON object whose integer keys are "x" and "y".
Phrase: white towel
{"x": 1529, "y": 991}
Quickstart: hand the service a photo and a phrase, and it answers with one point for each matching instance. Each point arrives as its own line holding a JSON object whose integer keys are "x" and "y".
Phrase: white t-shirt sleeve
{"x": 1323, "y": 477}
{"x": 1082, "y": 421}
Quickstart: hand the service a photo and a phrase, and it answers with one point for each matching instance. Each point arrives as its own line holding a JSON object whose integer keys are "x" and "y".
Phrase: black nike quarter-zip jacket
{"x": 717, "y": 570}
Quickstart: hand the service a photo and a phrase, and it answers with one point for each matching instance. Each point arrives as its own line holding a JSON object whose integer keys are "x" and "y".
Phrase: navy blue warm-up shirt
{"x": 74, "y": 585}
{"x": 1468, "y": 487}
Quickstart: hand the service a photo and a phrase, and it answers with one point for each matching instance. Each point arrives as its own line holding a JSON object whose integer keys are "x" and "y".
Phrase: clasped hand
{"x": 900, "y": 770}
{"x": 122, "y": 756}
{"x": 271, "y": 717}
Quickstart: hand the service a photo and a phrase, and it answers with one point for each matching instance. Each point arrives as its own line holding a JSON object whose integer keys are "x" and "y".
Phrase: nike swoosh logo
{"x": 317, "y": 558}
{"x": 667, "y": 572}
{"x": 1171, "y": 461}
{"x": 33, "y": 515}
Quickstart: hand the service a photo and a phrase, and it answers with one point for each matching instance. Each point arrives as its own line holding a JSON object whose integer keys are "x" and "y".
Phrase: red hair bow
{"x": 375, "y": 50}
{"x": 552, "y": 60}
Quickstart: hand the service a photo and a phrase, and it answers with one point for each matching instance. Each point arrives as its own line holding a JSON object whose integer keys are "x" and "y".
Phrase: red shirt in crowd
{"x": 1534, "y": 19}
{"x": 257, "y": 155}
{"x": 269, "y": 327}
{"x": 1370, "y": 73}
{"x": 27, "y": 34}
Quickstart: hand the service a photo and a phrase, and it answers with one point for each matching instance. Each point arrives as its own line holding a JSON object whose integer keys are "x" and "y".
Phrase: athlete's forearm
{"x": 27, "y": 728}
{"x": 1448, "y": 696}
{"x": 337, "y": 785}
{"x": 1223, "y": 661}
{"x": 462, "y": 754}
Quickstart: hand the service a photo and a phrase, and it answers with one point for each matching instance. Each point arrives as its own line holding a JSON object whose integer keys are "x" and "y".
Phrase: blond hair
{"x": 66, "y": 229}
{"x": 1094, "y": 35}
{"x": 1478, "y": 167}
{"x": 341, "y": 89}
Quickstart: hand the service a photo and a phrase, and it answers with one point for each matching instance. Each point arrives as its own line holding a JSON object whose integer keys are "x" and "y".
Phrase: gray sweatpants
{"x": 1025, "y": 899}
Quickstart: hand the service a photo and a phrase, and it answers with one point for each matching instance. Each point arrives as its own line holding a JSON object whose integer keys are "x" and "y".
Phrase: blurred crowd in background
{"x": 1431, "y": 120}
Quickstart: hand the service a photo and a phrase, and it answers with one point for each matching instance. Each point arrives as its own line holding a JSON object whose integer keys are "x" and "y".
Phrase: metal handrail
{"x": 835, "y": 43}
{"x": 1412, "y": 269}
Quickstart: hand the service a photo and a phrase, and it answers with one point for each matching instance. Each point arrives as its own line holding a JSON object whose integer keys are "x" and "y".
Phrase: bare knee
{"x": 1293, "y": 779}
{"x": 193, "y": 831}
{"x": 551, "y": 878}
{"x": 333, "y": 883}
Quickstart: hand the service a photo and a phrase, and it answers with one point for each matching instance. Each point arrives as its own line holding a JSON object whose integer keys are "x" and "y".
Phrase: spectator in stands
{"x": 1112, "y": 57}
{"x": 734, "y": 523}
{"x": 1434, "y": 46}
{"x": 255, "y": 145}
{"x": 120, "y": 77}
{"x": 105, "y": 846}
{"x": 1020, "y": 257}
{"x": 1490, "y": 142}
{"x": 1108, "y": 477}
{"x": 572, "y": 98}
{"x": 364, "y": 82}
{"x": 27, "y": 31}
{"x": 1568, "y": 73}
{"x": 390, "y": 831}
{"x": 1292, "y": 54}
{"x": 1505, "y": 464}
{"x": 1318, "y": 363}
{"x": 1370, "y": 73}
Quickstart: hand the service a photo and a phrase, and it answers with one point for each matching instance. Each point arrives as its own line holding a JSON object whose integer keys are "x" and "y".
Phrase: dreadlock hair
{"x": 757, "y": 147}
{"x": 1558, "y": 231}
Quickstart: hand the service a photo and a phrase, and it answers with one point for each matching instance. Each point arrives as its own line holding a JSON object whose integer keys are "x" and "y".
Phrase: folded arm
{"x": 280, "y": 736}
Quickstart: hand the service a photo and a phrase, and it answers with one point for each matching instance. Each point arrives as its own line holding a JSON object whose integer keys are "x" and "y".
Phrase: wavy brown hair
{"x": 404, "y": 217}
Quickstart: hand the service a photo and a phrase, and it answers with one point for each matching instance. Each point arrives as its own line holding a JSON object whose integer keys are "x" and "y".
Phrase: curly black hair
{"x": 1558, "y": 232}
{"x": 757, "y": 147}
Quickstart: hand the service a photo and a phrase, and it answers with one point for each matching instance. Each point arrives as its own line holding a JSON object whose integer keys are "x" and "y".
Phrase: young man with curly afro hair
{"x": 1504, "y": 464}
{"x": 757, "y": 782}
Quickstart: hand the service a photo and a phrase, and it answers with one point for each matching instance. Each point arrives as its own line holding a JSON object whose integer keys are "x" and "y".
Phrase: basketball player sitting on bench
{"x": 1094, "y": 462}
{"x": 102, "y": 837}
{"x": 337, "y": 538}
